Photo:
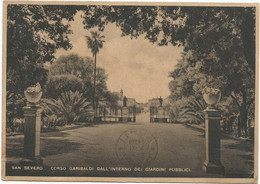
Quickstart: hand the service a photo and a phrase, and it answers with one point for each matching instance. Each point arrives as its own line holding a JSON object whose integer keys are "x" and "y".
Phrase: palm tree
{"x": 70, "y": 107}
{"x": 192, "y": 111}
{"x": 95, "y": 42}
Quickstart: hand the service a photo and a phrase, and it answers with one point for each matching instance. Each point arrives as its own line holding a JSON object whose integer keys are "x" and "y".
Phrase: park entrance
{"x": 120, "y": 114}
{"x": 159, "y": 114}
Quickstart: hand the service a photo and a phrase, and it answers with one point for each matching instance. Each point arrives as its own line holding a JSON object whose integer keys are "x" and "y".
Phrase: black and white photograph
{"x": 142, "y": 92}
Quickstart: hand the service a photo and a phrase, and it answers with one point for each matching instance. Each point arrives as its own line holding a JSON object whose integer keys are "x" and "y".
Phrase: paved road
{"x": 143, "y": 117}
{"x": 170, "y": 146}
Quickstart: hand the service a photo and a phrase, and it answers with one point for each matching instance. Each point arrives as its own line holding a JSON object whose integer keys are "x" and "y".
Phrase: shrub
{"x": 51, "y": 121}
{"x": 14, "y": 105}
{"x": 58, "y": 84}
{"x": 192, "y": 110}
{"x": 69, "y": 107}
{"x": 174, "y": 113}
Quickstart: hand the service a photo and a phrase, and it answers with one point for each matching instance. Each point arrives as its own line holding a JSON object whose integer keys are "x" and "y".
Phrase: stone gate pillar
{"x": 32, "y": 114}
{"x": 134, "y": 113}
{"x": 125, "y": 114}
{"x": 212, "y": 163}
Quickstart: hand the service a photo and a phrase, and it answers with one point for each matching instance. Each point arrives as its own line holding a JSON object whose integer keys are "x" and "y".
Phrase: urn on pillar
{"x": 32, "y": 115}
{"x": 212, "y": 162}
{"x": 211, "y": 97}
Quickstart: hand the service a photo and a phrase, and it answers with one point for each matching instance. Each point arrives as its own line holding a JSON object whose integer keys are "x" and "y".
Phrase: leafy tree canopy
{"x": 205, "y": 30}
{"x": 72, "y": 72}
{"x": 212, "y": 33}
{"x": 34, "y": 32}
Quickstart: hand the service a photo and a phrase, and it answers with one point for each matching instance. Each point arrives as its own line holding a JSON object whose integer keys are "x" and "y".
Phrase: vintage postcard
{"x": 142, "y": 92}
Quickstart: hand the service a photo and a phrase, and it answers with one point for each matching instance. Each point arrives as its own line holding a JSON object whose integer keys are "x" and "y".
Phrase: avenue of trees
{"x": 219, "y": 52}
{"x": 218, "y": 42}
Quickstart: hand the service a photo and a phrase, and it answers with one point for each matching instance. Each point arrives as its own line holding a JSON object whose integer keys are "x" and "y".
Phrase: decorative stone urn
{"x": 211, "y": 96}
{"x": 33, "y": 94}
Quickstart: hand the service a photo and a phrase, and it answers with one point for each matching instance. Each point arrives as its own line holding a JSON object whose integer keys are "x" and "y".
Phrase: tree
{"x": 95, "y": 42}
{"x": 235, "y": 80}
{"x": 70, "y": 76}
{"x": 34, "y": 32}
{"x": 112, "y": 100}
{"x": 75, "y": 73}
{"x": 196, "y": 28}
{"x": 71, "y": 72}
{"x": 57, "y": 84}
{"x": 220, "y": 41}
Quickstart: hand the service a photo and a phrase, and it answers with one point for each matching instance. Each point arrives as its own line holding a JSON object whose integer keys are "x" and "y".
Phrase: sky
{"x": 137, "y": 66}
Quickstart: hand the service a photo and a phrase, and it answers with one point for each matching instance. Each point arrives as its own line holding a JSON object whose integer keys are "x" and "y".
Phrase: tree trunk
{"x": 248, "y": 38}
{"x": 239, "y": 126}
{"x": 243, "y": 114}
{"x": 94, "y": 90}
{"x": 243, "y": 119}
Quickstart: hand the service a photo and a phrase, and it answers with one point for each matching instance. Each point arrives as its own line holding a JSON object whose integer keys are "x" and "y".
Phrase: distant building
{"x": 142, "y": 107}
{"x": 130, "y": 101}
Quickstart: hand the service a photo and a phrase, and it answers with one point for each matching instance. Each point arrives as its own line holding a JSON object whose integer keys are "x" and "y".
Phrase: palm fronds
{"x": 95, "y": 41}
{"x": 70, "y": 107}
{"x": 192, "y": 110}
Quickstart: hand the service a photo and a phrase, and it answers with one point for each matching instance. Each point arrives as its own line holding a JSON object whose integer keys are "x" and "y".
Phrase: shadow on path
{"x": 50, "y": 145}
{"x": 54, "y": 134}
{"x": 58, "y": 146}
{"x": 241, "y": 145}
